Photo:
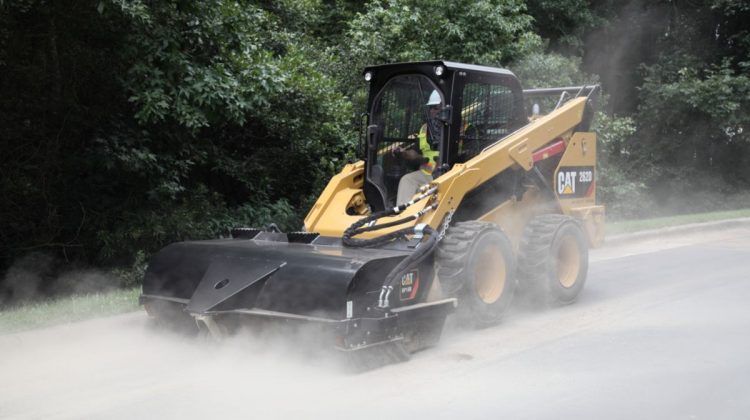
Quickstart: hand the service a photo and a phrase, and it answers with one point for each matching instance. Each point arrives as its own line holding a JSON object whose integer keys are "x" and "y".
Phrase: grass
{"x": 68, "y": 309}
{"x": 630, "y": 226}
{"x": 81, "y": 307}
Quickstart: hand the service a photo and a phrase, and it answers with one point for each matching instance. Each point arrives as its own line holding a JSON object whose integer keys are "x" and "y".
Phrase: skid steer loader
{"x": 510, "y": 204}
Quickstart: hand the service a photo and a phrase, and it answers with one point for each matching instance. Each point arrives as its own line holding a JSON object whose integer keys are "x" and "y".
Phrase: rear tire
{"x": 553, "y": 259}
{"x": 475, "y": 263}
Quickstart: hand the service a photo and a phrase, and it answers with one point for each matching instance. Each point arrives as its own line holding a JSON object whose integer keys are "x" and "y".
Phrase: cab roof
{"x": 449, "y": 65}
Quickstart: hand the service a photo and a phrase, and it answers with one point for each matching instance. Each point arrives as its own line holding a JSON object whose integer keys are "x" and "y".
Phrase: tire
{"x": 475, "y": 264}
{"x": 553, "y": 259}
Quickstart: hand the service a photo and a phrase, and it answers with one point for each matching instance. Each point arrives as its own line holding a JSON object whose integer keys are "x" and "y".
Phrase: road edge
{"x": 676, "y": 230}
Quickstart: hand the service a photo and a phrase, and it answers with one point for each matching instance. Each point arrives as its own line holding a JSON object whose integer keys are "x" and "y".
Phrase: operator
{"x": 430, "y": 136}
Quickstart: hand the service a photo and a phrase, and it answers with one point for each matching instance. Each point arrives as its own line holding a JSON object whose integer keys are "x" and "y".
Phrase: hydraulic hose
{"x": 367, "y": 224}
{"x": 413, "y": 259}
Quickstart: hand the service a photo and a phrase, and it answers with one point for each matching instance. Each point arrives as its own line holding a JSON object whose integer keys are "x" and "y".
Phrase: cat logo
{"x": 409, "y": 285}
{"x": 566, "y": 182}
{"x": 575, "y": 181}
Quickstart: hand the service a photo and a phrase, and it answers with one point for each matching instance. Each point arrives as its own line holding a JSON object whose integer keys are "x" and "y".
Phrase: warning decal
{"x": 574, "y": 181}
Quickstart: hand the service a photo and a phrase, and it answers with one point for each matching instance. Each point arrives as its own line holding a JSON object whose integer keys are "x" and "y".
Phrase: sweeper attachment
{"x": 461, "y": 198}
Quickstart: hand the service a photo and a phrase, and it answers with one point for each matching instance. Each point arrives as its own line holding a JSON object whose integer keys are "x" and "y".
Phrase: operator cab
{"x": 478, "y": 106}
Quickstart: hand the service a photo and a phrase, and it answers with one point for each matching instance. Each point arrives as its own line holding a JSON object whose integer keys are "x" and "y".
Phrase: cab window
{"x": 486, "y": 116}
{"x": 398, "y": 113}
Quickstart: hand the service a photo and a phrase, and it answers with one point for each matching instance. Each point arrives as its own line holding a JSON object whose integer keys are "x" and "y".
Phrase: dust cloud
{"x": 40, "y": 275}
{"x": 25, "y": 277}
{"x": 126, "y": 367}
{"x": 667, "y": 320}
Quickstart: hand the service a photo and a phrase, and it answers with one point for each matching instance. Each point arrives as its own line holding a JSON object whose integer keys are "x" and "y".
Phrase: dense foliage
{"x": 680, "y": 70}
{"x": 127, "y": 124}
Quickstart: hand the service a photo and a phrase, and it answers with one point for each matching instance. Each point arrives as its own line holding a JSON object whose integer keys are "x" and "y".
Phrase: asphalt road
{"x": 662, "y": 331}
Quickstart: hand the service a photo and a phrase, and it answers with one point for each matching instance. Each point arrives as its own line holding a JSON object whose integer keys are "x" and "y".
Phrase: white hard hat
{"x": 434, "y": 98}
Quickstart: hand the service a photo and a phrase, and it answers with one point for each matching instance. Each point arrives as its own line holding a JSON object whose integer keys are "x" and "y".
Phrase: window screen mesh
{"x": 401, "y": 107}
{"x": 486, "y": 116}
{"x": 400, "y": 111}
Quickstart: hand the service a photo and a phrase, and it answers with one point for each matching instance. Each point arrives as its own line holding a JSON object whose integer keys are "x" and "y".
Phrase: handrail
{"x": 578, "y": 90}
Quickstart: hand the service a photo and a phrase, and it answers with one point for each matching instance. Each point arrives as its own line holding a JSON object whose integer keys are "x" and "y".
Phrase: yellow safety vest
{"x": 427, "y": 152}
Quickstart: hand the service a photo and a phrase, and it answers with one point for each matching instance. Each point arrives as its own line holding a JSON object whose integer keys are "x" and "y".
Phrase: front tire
{"x": 475, "y": 263}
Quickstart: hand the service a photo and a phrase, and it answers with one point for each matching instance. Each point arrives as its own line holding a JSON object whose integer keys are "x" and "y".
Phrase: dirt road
{"x": 662, "y": 331}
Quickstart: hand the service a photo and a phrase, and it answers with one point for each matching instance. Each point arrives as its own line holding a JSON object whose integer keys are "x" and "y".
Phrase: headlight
{"x": 439, "y": 70}
{"x": 368, "y": 76}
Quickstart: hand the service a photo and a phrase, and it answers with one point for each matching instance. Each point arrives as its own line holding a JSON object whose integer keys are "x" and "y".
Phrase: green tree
{"x": 488, "y": 32}
{"x": 693, "y": 105}
{"x": 693, "y": 128}
{"x": 564, "y": 23}
{"x": 128, "y": 124}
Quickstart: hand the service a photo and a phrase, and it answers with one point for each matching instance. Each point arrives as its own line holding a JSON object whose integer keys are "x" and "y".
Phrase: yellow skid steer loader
{"x": 494, "y": 198}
